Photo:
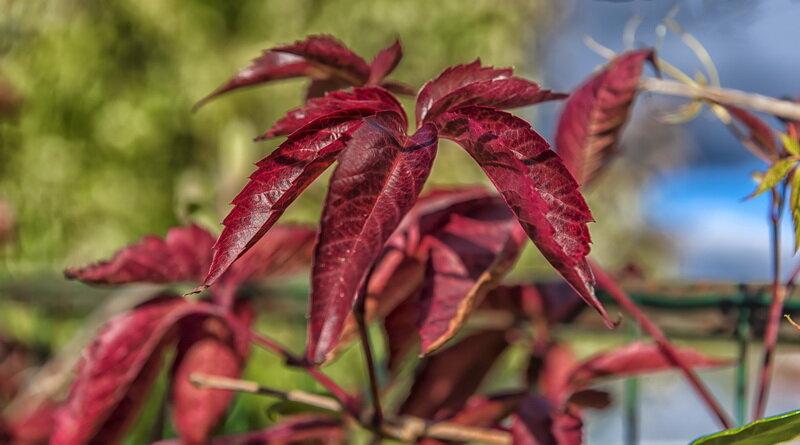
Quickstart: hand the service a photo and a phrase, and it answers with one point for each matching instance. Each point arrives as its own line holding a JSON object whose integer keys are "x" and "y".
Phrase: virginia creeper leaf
{"x": 633, "y": 359}
{"x": 536, "y": 186}
{"x": 279, "y": 180}
{"x": 369, "y": 98}
{"x": 447, "y": 379}
{"x": 117, "y": 370}
{"x": 472, "y": 84}
{"x": 331, "y": 57}
{"x": 375, "y": 184}
{"x": 468, "y": 256}
{"x": 207, "y": 345}
{"x": 385, "y": 62}
{"x": 184, "y": 255}
{"x": 592, "y": 119}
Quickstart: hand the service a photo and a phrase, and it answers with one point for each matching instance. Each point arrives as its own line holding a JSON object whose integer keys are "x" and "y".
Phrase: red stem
{"x": 661, "y": 340}
{"x": 347, "y": 401}
{"x": 775, "y": 310}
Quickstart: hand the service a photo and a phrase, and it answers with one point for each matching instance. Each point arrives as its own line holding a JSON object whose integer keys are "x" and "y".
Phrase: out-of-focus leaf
{"x": 759, "y": 133}
{"x": 774, "y": 175}
{"x": 538, "y": 422}
{"x": 633, "y": 359}
{"x": 375, "y": 184}
{"x": 326, "y": 61}
{"x": 299, "y": 429}
{"x": 550, "y": 367}
{"x": 794, "y": 206}
{"x": 590, "y": 124}
{"x": 368, "y": 98}
{"x": 30, "y": 427}
{"x": 473, "y": 84}
{"x": 447, "y": 379}
{"x": 483, "y": 412}
{"x": 279, "y": 180}
{"x": 207, "y": 345}
{"x": 768, "y": 431}
{"x": 590, "y": 398}
{"x": 117, "y": 370}
{"x": 385, "y": 62}
{"x": 790, "y": 144}
{"x": 400, "y": 326}
{"x": 550, "y": 302}
{"x": 536, "y": 186}
{"x": 184, "y": 255}
{"x": 468, "y": 256}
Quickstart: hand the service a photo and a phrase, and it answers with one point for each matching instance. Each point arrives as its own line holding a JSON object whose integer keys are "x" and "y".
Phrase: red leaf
{"x": 117, "y": 370}
{"x": 370, "y": 98}
{"x": 304, "y": 428}
{"x": 446, "y": 380}
{"x": 385, "y": 62}
{"x": 29, "y": 425}
{"x": 471, "y": 84}
{"x": 550, "y": 368}
{"x": 590, "y": 398}
{"x": 468, "y": 256}
{"x": 538, "y": 423}
{"x": 284, "y": 250}
{"x": 536, "y": 186}
{"x": 330, "y": 56}
{"x": 483, "y": 412}
{"x": 279, "y": 180}
{"x": 759, "y": 140}
{"x": 184, "y": 255}
{"x": 592, "y": 119}
{"x": 207, "y": 345}
{"x": 633, "y": 359}
{"x": 271, "y": 65}
{"x": 552, "y": 303}
{"x": 401, "y": 326}
{"x": 375, "y": 184}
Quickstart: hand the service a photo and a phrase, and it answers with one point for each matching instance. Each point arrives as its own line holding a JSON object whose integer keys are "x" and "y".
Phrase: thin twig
{"x": 770, "y": 105}
{"x": 661, "y": 340}
{"x": 347, "y": 401}
{"x": 405, "y": 428}
{"x": 775, "y": 308}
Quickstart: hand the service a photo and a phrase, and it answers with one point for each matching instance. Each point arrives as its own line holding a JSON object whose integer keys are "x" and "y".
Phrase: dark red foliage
{"x": 592, "y": 119}
{"x": 327, "y": 62}
{"x": 535, "y": 185}
{"x": 371, "y": 191}
{"x": 446, "y": 380}
{"x": 114, "y": 374}
{"x": 304, "y": 428}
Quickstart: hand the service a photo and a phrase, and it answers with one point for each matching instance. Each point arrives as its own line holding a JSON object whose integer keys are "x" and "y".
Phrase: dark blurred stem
{"x": 650, "y": 328}
{"x": 775, "y": 308}
{"x": 349, "y": 404}
{"x": 360, "y": 315}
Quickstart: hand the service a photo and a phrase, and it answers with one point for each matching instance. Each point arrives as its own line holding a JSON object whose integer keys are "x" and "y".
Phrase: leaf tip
{"x": 197, "y": 290}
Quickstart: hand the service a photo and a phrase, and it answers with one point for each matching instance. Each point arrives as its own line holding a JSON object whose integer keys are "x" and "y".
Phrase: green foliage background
{"x": 105, "y": 148}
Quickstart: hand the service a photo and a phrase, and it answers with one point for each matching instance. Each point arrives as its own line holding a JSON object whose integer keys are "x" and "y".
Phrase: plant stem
{"x": 776, "y": 107}
{"x": 347, "y": 401}
{"x": 406, "y": 428}
{"x": 360, "y": 315}
{"x": 661, "y": 340}
{"x": 775, "y": 310}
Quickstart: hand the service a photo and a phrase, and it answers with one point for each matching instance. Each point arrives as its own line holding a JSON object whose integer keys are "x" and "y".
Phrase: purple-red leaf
{"x": 385, "y": 62}
{"x": 401, "y": 331}
{"x": 758, "y": 138}
{"x": 208, "y": 345}
{"x": 368, "y": 98}
{"x": 331, "y": 57}
{"x": 377, "y": 181}
{"x": 304, "y": 428}
{"x": 468, "y": 256}
{"x": 538, "y": 422}
{"x": 633, "y": 359}
{"x": 472, "y": 84}
{"x": 590, "y": 124}
{"x": 279, "y": 180}
{"x": 447, "y": 379}
{"x": 271, "y": 65}
{"x": 117, "y": 370}
{"x": 184, "y": 255}
{"x": 536, "y": 186}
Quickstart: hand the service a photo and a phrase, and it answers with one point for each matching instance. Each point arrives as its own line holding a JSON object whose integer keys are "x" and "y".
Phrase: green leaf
{"x": 794, "y": 206}
{"x": 791, "y": 144}
{"x": 767, "y": 431}
{"x": 774, "y": 175}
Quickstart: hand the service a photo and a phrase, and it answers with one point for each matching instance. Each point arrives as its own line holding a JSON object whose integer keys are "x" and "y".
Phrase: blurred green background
{"x": 103, "y": 147}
